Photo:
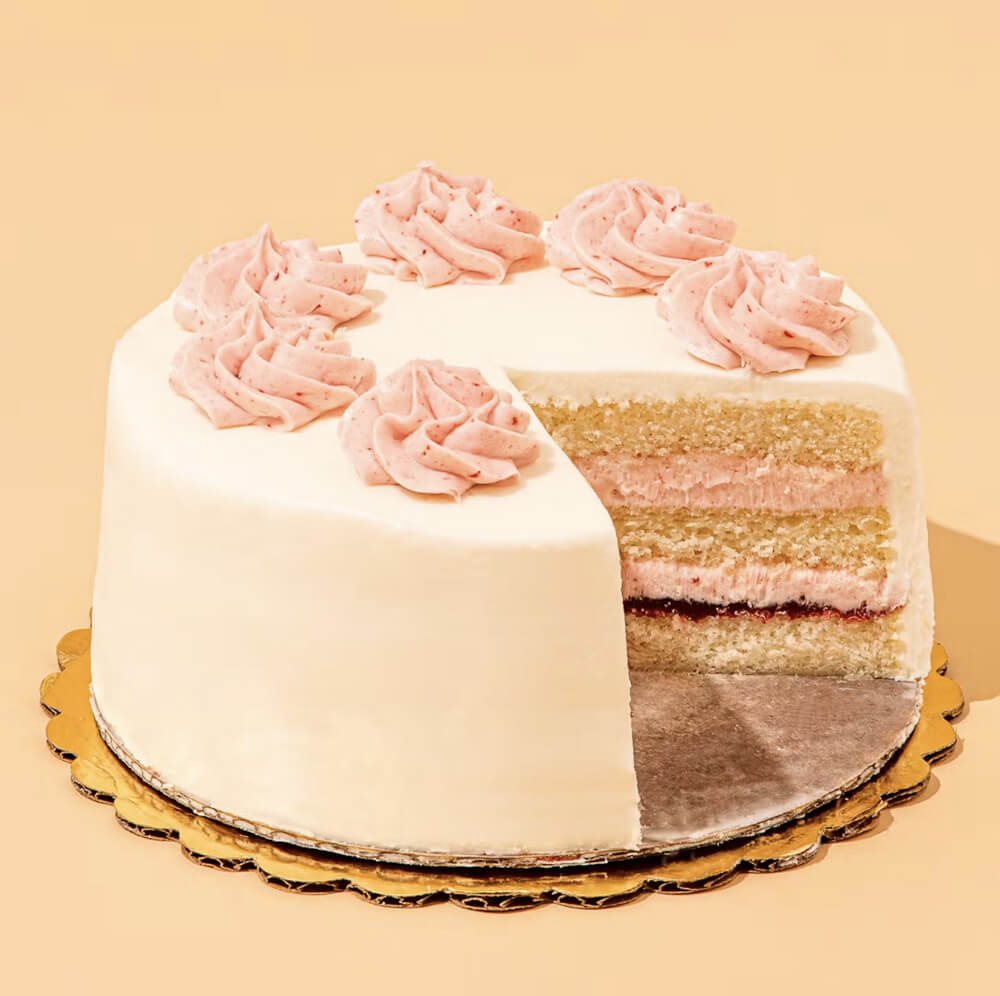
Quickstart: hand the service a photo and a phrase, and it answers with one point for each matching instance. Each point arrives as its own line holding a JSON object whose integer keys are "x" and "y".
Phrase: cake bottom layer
{"x": 744, "y": 641}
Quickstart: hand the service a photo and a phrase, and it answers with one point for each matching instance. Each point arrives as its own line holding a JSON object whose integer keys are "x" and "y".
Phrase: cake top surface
{"x": 589, "y": 346}
{"x": 535, "y": 334}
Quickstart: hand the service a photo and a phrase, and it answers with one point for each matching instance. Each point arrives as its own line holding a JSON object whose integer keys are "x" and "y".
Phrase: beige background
{"x": 135, "y": 138}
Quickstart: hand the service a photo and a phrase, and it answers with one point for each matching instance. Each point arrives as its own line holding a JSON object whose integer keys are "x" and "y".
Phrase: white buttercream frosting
{"x": 494, "y": 716}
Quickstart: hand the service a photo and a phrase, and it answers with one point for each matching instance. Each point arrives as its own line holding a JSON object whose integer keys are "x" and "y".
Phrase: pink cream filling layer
{"x": 711, "y": 480}
{"x": 760, "y": 585}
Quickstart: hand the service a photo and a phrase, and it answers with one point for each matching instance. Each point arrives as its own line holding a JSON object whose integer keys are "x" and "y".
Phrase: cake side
{"x": 349, "y": 663}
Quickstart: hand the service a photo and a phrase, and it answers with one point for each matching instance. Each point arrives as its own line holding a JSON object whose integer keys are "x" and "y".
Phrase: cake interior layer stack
{"x": 754, "y": 537}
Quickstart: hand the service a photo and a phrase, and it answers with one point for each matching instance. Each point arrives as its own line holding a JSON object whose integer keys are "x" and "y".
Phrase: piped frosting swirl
{"x": 250, "y": 371}
{"x": 430, "y": 226}
{"x": 628, "y": 236}
{"x": 760, "y": 310}
{"x": 436, "y": 430}
{"x": 292, "y": 279}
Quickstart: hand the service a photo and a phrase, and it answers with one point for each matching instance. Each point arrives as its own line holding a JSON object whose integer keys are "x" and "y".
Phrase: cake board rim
{"x": 607, "y": 878}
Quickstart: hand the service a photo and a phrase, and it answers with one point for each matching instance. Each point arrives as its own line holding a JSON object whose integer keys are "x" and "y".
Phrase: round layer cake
{"x": 277, "y": 640}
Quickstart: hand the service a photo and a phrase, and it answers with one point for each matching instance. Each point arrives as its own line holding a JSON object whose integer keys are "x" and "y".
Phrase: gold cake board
{"x": 666, "y": 866}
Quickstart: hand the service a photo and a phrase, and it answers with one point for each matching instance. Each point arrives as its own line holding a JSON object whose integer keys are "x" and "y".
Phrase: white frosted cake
{"x": 378, "y": 549}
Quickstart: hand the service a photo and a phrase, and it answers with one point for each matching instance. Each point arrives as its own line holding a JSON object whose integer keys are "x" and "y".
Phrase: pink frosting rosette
{"x": 430, "y": 226}
{"x": 438, "y": 430}
{"x": 628, "y": 236}
{"x": 292, "y": 279}
{"x": 760, "y": 310}
{"x": 280, "y": 373}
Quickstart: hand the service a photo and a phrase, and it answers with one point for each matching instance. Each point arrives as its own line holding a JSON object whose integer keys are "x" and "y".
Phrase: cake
{"x": 385, "y": 527}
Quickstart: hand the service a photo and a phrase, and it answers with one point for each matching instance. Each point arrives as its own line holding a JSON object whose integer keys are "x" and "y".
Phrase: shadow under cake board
{"x": 966, "y": 573}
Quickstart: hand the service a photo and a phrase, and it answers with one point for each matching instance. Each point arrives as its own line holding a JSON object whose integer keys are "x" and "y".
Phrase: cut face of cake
{"x": 296, "y": 649}
{"x": 755, "y": 537}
